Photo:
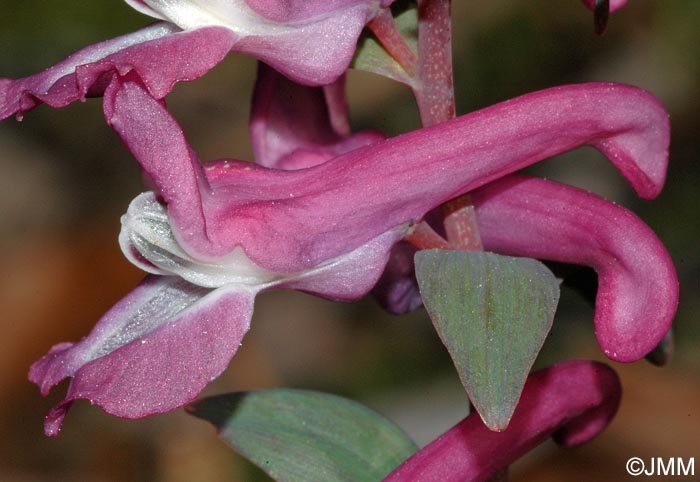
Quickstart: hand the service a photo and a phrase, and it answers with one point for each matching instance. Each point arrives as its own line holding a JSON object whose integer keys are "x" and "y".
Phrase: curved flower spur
{"x": 292, "y": 127}
{"x": 311, "y": 41}
{"x": 214, "y": 235}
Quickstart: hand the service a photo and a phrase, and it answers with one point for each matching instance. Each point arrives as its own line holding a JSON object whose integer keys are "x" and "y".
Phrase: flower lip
{"x": 147, "y": 240}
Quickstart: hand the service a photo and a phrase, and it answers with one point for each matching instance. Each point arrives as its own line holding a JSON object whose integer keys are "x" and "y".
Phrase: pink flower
{"x": 571, "y": 402}
{"x": 311, "y": 41}
{"x": 214, "y": 235}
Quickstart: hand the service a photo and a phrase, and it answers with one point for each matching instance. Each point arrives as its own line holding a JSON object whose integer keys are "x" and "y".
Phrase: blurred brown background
{"x": 67, "y": 179}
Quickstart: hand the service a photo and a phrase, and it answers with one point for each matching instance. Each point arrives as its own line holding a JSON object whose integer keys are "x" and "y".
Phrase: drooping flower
{"x": 292, "y": 127}
{"x": 571, "y": 402}
{"x": 310, "y": 41}
{"x": 215, "y": 235}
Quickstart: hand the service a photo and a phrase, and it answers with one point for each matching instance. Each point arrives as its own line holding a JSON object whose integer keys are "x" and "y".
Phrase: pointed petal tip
{"x": 54, "y": 419}
{"x": 49, "y": 370}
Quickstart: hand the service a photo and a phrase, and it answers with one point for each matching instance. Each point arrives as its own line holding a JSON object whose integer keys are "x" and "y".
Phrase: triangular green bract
{"x": 493, "y": 313}
{"x": 301, "y": 435}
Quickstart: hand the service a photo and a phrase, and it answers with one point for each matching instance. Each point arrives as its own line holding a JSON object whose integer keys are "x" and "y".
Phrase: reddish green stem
{"x": 423, "y": 236}
{"x": 460, "y": 224}
{"x": 435, "y": 90}
{"x": 434, "y": 94}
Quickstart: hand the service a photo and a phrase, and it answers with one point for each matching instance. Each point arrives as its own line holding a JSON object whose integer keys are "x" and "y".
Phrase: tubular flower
{"x": 310, "y": 41}
{"x": 637, "y": 283}
{"x": 214, "y": 235}
{"x": 571, "y": 402}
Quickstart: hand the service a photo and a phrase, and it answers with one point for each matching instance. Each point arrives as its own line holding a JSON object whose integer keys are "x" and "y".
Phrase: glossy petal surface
{"x": 162, "y": 344}
{"x": 154, "y": 351}
{"x": 289, "y": 221}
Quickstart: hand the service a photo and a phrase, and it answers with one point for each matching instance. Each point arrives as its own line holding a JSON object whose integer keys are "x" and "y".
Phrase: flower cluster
{"x": 322, "y": 209}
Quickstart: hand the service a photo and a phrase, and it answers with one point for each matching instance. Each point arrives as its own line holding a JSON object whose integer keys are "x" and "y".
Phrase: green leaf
{"x": 493, "y": 313}
{"x": 370, "y": 56}
{"x": 300, "y": 435}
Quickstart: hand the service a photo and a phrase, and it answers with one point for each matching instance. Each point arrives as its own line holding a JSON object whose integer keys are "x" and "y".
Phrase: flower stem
{"x": 434, "y": 94}
{"x": 435, "y": 90}
{"x": 460, "y": 224}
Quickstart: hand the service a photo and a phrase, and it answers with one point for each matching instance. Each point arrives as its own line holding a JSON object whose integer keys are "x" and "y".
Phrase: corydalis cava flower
{"x": 292, "y": 127}
{"x": 215, "y": 235}
{"x": 310, "y": 41}
{"x": 571, "y": 402}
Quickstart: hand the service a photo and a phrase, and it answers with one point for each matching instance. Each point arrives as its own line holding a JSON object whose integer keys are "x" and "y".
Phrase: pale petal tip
{"x": 54, "y": 419}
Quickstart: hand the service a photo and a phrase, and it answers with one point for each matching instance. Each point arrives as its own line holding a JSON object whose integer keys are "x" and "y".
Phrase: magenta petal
{"x": 573, "y": 401}
{"x": 350, "y": 276}
{"x": 637, "y": 283}
{"x": 317, "y": 39}
{"x": 155, "y": 138}
{"x": 289, "y": 221}
{"x": 154, "y": 351}
{"x": 160, "y": 55}
{"x": 311, "y": 42}
{"x": 294, "y": 126}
